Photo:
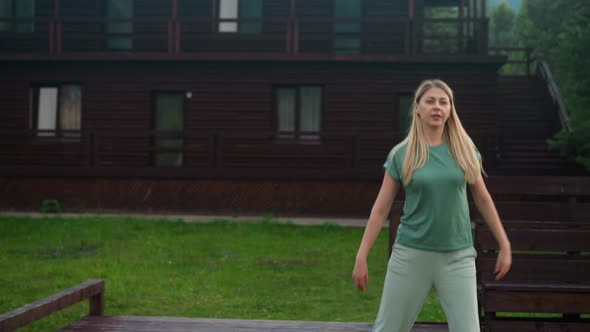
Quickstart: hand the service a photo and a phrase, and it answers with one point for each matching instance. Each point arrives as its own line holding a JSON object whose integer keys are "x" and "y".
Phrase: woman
{"x": 433, "y": 246}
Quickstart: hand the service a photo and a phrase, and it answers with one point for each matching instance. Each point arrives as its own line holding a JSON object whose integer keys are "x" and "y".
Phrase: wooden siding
{"x": 234, "y": 102}
{"x": 230, "y": 197}
{"x": 285, "y": 197}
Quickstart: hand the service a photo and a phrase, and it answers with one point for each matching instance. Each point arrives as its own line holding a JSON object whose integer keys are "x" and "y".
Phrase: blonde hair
{"x": 460, "y": 144}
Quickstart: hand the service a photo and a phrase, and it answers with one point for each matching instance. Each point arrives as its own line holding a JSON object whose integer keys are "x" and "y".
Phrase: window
{"x": 17, "y": 9}
{"x": 404, "y": 104}
{"x": 169, "y": 124}
{"x": 346, "y": 40}
{"x": 120, "y": 31}
{"x": 240, "y": 9}
{"x": 57, "y": 108}
{"x": 298, "y": 112}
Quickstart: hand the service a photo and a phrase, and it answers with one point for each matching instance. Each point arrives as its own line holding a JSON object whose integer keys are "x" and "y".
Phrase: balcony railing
{"x": 207, "y": 155}
{"x": 278, "y": 36}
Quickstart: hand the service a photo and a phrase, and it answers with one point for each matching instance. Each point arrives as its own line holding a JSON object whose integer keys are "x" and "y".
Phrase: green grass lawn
{"x": 221, "y": 269}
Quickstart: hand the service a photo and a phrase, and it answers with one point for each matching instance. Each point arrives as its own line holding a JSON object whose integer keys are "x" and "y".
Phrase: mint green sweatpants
{"x": 411, "y": 273}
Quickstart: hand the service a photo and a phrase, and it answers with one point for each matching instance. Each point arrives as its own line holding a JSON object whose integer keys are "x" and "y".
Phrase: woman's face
{"x": 434, "y": 107}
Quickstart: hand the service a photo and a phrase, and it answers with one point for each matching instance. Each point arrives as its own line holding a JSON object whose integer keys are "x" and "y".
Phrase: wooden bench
{"x": 550, "y": 275}
{"x": 539, "y": 198}
{"x": 547, "y": 220}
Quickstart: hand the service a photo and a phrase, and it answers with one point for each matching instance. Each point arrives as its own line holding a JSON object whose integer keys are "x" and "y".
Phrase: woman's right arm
{"x": 379, "y": 213}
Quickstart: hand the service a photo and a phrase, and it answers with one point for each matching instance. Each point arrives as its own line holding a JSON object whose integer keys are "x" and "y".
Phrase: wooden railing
{"x": 207, "y": 155}
{"x": 545, "y": 73}
{"x": 177, "y": 37}
{"x": 519, "y": 61}
{"x": 92, "y": 290}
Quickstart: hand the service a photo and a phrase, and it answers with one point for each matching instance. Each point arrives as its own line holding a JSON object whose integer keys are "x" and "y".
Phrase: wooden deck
{"x": 175, "y": 324}
{"x": 93, "y": 290}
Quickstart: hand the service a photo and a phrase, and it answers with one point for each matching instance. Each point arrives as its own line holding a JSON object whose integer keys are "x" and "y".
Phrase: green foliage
{"x": 559, "y": 33}
{"x": 502, "y": 25}
{"x": 50, "y": 206}
{"x": 514, "y": 4}
{"x": 574, "y": 144}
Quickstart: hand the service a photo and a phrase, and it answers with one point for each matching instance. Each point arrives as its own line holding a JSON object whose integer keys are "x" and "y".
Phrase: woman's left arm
{"x": 484, "y": 203}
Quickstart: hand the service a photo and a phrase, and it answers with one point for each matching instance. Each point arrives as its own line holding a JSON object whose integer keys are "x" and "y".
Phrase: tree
{"x": 502, "y": 26}
{"x": 559, "y": 33}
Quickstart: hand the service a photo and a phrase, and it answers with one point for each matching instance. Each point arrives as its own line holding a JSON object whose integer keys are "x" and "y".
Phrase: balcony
{"x": 73, "y": 38}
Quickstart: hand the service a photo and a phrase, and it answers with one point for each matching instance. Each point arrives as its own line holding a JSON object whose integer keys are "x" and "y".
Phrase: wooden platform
{"x": 93, "y": 290}
{"x": 177, "y": 324}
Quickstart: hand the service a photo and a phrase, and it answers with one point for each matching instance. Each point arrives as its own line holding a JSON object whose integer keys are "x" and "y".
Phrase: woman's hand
{"x": 360, "y": 274}
{"x": 503, "y": 263}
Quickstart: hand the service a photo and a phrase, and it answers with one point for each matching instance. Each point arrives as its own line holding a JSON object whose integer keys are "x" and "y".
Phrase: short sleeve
{"x": 392, "y": 166}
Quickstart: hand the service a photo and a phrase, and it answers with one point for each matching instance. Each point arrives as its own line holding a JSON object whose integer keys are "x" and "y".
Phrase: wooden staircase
{"x": 525, "y": 121}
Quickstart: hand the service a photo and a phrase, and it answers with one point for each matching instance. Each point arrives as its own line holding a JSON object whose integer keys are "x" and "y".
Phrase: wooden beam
{"x": 293, "y": 11}
{"x": 93, "y": 290}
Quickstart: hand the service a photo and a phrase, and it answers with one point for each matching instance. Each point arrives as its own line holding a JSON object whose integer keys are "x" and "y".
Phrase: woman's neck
{"x": 434, "y": 136}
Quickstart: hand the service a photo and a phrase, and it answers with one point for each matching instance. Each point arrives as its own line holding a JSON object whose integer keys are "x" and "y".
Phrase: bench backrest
{"x": 542, "y": 253}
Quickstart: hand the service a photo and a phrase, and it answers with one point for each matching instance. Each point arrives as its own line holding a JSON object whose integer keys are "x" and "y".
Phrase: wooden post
{"x": 97, "y": 304}
{"x": 461, "y": 27}
{"x": 172, "y": 27}
{"x": 51, "y": 25}
{"x": 410, "y": 28}
{"x": 477, "y": 27}
{"x": 528, "y": 61}
{"x": 170, "y": 36}
{"x": 57, "y": 28}
{"x": 416, "y": 26}
{"x": 177, "y": 31}
{"x": 483, "y": 35}
{"x": 291, "y": 27}
{"x": 214, "y": 16}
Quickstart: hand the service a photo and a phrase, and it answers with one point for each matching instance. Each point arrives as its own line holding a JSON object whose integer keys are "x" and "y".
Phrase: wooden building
{"x": 244, "y": 106}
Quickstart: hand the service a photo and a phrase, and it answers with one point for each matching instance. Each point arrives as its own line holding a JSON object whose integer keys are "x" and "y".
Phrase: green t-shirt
{"x": 436, "y": 211}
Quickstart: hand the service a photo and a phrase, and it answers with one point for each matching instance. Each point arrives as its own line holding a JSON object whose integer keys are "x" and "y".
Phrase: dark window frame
{"x": 34, "y": 113}
{"x": 362, "y": 27}
{"x": 109, "y": 35}
{"x": 217, "y": 17}
{"x": 295, "y": 137}
{"x": 12, "y": 25}
{"x": 153, "y": 141}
